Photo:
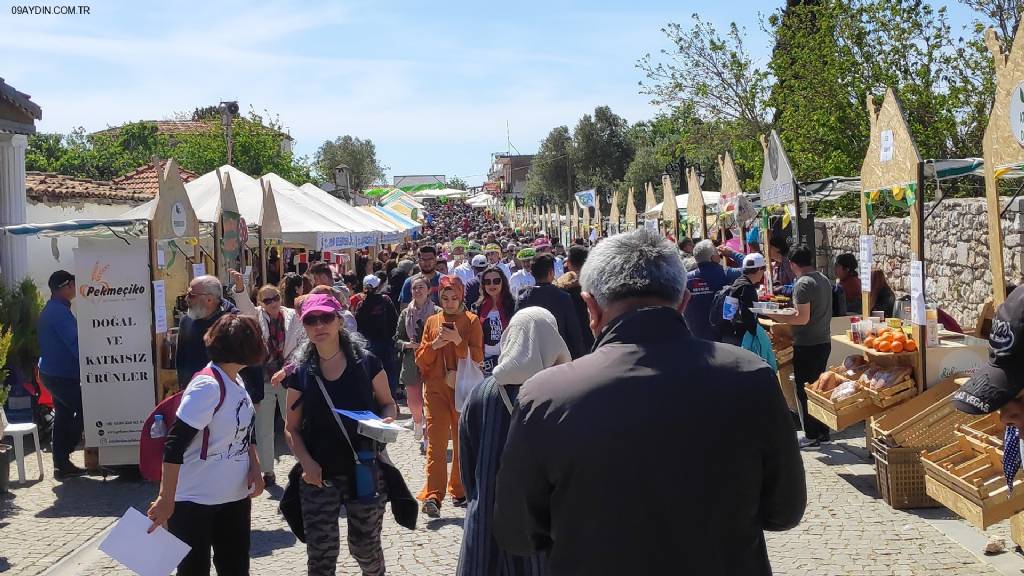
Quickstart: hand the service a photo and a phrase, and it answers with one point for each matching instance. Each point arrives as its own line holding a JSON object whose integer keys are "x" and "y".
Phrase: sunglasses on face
{"x": 318, "y": 319}
{"x": 492, "y": 281}
{"x": 271, "y": 300}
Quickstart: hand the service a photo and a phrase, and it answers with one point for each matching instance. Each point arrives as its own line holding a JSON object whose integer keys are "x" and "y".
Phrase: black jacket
{"x": 558, "y": 302}
{"x": 377, "y": 317}
{"x": 192, "y": 357}
{"x": 596, "y": 430}
{"x": 570, "y": 282}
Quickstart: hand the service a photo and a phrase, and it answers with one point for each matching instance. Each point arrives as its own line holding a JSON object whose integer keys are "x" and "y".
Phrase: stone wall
{"x": 957, "y": 273}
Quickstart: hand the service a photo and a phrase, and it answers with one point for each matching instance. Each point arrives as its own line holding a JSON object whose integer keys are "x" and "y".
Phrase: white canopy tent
{"x": 482, "y": 200}
{"x": 300, "y": 222}
{"x": 347, "y": 232}
{"x": 364, "y": 221}
{"x": 435, "y": 194}
{"x": 710, "y": 200}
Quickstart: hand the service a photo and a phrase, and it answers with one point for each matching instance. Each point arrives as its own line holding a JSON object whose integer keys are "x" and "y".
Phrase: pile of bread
{"x": 856, "y": 373}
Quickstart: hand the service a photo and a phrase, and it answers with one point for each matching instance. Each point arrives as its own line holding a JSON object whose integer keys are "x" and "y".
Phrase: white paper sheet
{"x": 159, "y": 307}
{"x": 370, "y": 419}
{"x": 917, "y": 303}
{"x": 885, "y": 152}
{"x": 161, "y": 259}
{"x": 865, "y": 261}
{"x": 247, "y": 275}
{"x": 156, "y": 554}
{"x": 198, "y": 270}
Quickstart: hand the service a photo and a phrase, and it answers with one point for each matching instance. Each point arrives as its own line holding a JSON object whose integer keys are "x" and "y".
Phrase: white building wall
{"x": 41, "y": 262}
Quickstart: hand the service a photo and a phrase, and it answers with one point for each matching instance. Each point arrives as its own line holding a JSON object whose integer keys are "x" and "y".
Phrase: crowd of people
{"x": 579, "y": 351}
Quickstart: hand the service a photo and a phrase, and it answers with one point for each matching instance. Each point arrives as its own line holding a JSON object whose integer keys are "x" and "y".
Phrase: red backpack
{"x": 151, "y": 450}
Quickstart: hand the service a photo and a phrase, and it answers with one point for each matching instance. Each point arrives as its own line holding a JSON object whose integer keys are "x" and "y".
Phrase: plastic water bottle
{"x": 158, "y": 429}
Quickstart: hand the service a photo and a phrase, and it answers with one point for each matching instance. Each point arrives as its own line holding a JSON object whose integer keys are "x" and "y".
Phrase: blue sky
{"x": 433, "y": 84}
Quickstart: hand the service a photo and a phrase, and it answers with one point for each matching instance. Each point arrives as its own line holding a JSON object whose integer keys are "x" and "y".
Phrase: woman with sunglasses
{"x": 411, "y": 322}
{"x": 335, "y": 365}
{"x": 494, "y": 308}
{"x": 284, "y": 335}
{"x": 448, "y": 337}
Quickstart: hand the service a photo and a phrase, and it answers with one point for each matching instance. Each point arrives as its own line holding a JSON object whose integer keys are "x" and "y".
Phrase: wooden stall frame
{"x": 902, "y": 166}
{"x": 630, "y": 210}
{"x": 695, "y": 203}
{"x": 1001, "y": 147}
{"x": 170, "y": 191}
{"x": 669, "y": 210}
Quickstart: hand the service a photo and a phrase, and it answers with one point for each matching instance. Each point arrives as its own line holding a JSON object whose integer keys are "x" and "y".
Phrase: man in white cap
{"x": 741, "y": 316}
{"x": 377, "y": 319}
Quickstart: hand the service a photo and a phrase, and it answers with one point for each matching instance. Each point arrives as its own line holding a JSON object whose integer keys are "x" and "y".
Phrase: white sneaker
{"x": 417, "y": 431}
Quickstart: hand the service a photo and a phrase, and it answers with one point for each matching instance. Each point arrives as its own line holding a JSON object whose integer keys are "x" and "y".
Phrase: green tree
{"x": 712, "y": 73}
{"x": 258, "y": 149}
{"x": 601, "y": 150}
{"x": 548, "y": 180}
{"x": 360, "y": 155}
{"x": 456, "y": 183}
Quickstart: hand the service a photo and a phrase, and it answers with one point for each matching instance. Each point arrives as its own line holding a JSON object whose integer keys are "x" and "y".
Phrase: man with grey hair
{"x": 703, "y": 283}
{"x": 206, "y": 304}
{"x": 591, "y": 435}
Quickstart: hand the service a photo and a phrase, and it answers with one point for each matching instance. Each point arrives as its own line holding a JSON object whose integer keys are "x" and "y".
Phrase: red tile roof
{"x": 55, "y": 188}
{"x": 143, "y": 180}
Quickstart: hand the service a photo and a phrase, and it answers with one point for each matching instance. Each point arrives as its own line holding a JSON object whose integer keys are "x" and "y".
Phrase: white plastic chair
{"x": 18, "y": 433}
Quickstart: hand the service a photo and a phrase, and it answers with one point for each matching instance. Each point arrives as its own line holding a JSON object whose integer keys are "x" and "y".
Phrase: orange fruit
{"x": 869, "y": 343}
{"x": 887, "y": 337}
{"x": 885, "y": 346}
{"x": 897, "y": 346}
{"x": 900, "y": 337}
{"x": 910, "y": 346}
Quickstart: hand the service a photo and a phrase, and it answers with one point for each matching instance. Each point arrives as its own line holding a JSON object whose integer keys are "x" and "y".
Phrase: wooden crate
{"x": 926, "y": 421}
{"x": 988, "y": 430}
{"x": 966, "y": 476}
{"x": 900, "y": 477}
{"x": 843, "y": 413}
{"x": 890, "y": 396}
{"x": 788, "y": 388}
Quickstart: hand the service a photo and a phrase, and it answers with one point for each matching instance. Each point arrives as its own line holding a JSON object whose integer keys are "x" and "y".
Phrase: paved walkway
{"x": 846, "y": 530}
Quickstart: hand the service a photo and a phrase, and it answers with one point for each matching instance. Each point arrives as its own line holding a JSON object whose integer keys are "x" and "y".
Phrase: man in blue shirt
{"x": 58, "y": 368}
{"x": 703, "y": 283}
{"x": 428, "y": 270}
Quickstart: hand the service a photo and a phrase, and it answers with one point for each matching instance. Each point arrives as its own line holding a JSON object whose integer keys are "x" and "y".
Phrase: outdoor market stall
{"x": 967, "y": 475}
{"x": 129, "y": 275}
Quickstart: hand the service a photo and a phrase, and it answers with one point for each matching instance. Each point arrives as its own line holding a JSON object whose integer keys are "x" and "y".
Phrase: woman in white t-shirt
{"x": 210, "y": 470}
{"x": 494, "y": 309}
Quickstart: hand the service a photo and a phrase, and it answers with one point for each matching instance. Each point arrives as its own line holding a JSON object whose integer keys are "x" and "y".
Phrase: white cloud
{"x": 440, "y": 91}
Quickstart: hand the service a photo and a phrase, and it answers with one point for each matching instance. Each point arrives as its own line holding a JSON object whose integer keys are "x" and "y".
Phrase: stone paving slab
{"x": 845, "y": 531}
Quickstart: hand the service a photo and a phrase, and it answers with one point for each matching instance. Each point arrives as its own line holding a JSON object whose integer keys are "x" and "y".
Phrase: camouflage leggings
{"x": 320, "y": 510}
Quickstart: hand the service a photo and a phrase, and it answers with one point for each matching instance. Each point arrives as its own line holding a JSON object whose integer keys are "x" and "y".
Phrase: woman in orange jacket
{"x": 449, "y": 336}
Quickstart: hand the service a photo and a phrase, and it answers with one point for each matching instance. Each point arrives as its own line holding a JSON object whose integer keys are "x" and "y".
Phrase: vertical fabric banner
{"x": 115, "y": 339}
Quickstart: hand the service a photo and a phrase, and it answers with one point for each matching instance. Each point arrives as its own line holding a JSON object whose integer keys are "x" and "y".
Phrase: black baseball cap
{"x": 1002, "y": 379}
{"x": 60, "y": 279}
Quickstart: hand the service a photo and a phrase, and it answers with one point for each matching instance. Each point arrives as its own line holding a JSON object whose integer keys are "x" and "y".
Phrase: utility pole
{"x": 228, "y": 110}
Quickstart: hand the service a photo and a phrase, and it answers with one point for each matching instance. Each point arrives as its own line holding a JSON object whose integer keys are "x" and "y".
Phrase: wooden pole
{"x": 995, "y": 233}
{"x": 917, "y": 249}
